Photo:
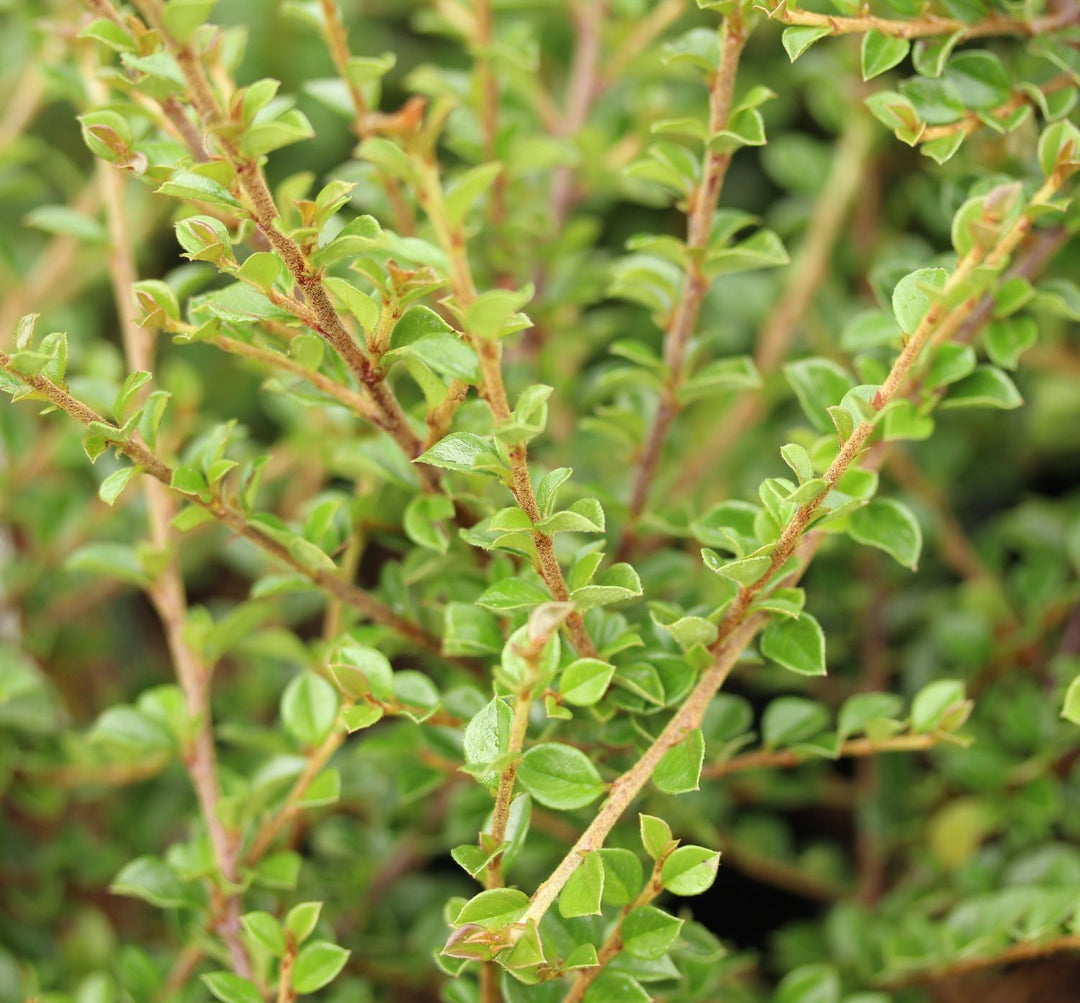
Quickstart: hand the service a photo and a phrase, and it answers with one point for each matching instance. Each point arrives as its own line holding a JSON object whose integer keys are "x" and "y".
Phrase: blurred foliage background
{"x": 826, "y": 862}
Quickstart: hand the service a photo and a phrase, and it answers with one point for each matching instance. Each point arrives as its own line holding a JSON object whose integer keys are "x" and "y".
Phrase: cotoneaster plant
{"x": 469, "y": 544}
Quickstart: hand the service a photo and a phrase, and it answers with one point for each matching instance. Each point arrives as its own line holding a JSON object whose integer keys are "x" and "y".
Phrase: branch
{"x": 766, "y": 759}
{"x": 614, "y": 943}
{"x": 1024, "y": 951}
{"x": 167, "y": 592}
{"x": 325, "y": 319}
{"x": 740, "y": 625}
{"x": 929, "y": 25}
{"x": 627, "y": 787}
{"x": 337, "y": 42}
{"x": 234, "y": 519}
{"x": 803, "y": 281}
{"x": 683, "y": 320}
{"x": 493, "y": 390}
{"x": 938, "y": 326}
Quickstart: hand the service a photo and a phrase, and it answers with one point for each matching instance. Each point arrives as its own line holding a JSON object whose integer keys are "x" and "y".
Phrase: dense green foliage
{"x": 469, "y": 542}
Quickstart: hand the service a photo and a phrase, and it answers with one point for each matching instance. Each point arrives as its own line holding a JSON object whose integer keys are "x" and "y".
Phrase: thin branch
{"x": 325, "y": 319}
{"x": 855, "y": 748}
{"x": 626, "y": 788}
{"x": 493, "y": 390}
{"x": 614, "y": 942}
{"x": 803, "y": 281}
{"x": 1024, "y": 951}
{"x": 167, "y": 592}
{"x": 337, "y": 41}
{"x": 938, "y": 326}
{"x": 930, "y": 25}
{"x": 581, "y": 90}
{"x": 234, "y": 519}
{"x": 740, "y": 624}
{"x": 683, "y": 319}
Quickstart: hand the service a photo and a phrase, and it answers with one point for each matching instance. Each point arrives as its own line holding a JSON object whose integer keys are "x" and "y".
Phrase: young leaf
{"x": 560, "y": 776}
{"x": 317, "y": 965}
{"x": 583, "y": 891}
{"x": 889, "y": 526}
{"x": 680, "y": 769}
{"x": 690, "y": 870}
{"x": 881, "y": 53}
{"x": 796, "y": 644}
{"x": 649, "y": 933}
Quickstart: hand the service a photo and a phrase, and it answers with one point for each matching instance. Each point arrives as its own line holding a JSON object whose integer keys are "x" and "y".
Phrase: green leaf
{"x": 301, "y": 919}
{"x": 467, "y": 188}
{"x": 980, "y": 79}
{"x": 360, "y": 670}
{"x": 309, "y": 708}
{"x": 615, "y": 987}
{"x": 115, "y": 483}
{"x": 583, "y": 890}
{"x": 279, "y": 870}
{"x": 468, "y": 630}
{"x": 357, "y": 302}
{"x": 789, "y": 720}
{"x": 513, "y": 593}
{"x": 881, "y": 53}
{"x": 680, "y": 769}
{"x": 910, "y": 300}
{"x": 763, "y": 250}
{"x": 67, "y": 222}
{"x": 1059, "y": 146}
{"x": 655, "y": 835}
{"x": 230, "y": 988}
{"x": 648, "y": 933}
{"x": 690, "y": 870}
{"x": 585, "y": 681}
{"x": 809, "y": 984}
{"x": 461, "y": 451}
{"x": 423, "y": 521}
{"x": 487, "y": 736}
{"x": 560, "y": 776}
{"x": 494, "y": 313}
{"x": 940, "y": 705}
{"x": 862, "y": 708}
{"x": 266, "y": 930}
{"x": 617, "y": 583}
{"x": 623, "y": 875}
{"x": 798, "y": 38}
{"x": 493, "y": 909}
{"x": 149, "y": 879}
{"x": 798, "y": 645}
{"x": 818, "y": 385}
{"x": 889, "y": 526}
{"x": 198, "y": 188}
{"x": 1007, "y": 339}
{"x": 183, "y": 17}
{"x": 988, "y": 386}
{"x": 317, "y": 965}
{"x": 1070, "y": 709}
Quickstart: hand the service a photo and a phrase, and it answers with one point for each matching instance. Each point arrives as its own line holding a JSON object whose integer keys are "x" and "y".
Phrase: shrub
{"x": 507, "y": 461}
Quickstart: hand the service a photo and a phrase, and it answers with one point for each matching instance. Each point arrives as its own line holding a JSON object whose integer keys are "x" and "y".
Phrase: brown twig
{"x": 930, "y": 25}
{"x": 683, "y": 319}
{"x": 803, "y": 281}
{"x": 167, "y": 591}
{"x": 854, "y": 748}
